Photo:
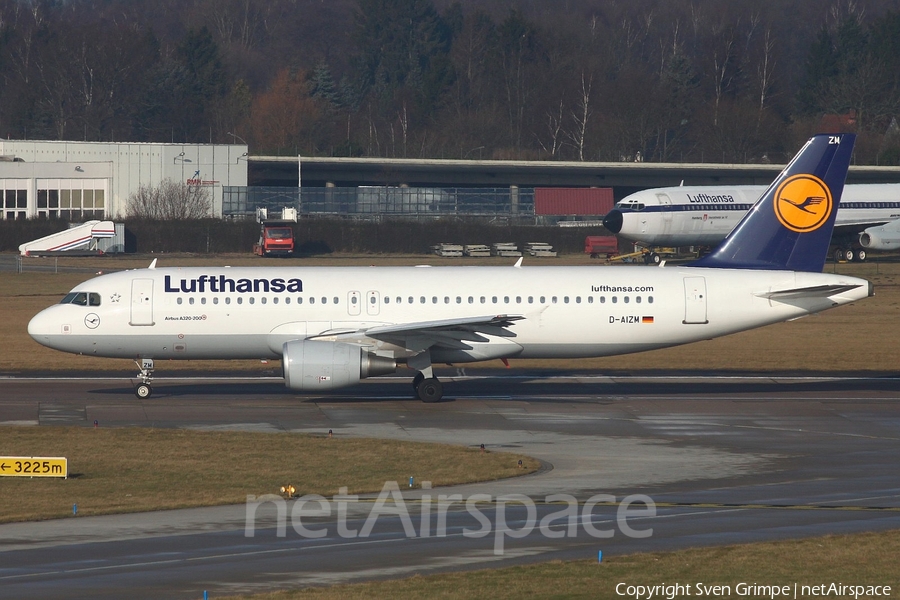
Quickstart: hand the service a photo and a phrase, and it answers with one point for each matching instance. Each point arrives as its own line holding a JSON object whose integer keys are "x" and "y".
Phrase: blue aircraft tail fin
{"x": 790, "y": 226}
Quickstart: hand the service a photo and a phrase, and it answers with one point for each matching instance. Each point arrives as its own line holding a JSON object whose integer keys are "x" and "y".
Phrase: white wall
{"x": 127, "y": 166}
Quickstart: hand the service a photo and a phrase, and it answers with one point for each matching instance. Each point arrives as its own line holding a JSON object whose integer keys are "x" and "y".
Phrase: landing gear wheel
{"x": 838, "y": 255}
{"x": 419, "y": 378}
{"x": 861, "y": 255}
{"x": 652, "y": 259}
{"x": 850, "y": 254}
{"x": 143, "y": 391}
{"x": 430, "y": 390}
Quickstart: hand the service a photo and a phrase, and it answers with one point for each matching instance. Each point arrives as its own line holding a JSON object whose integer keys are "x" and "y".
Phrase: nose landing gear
{"x": 143, "y": 389}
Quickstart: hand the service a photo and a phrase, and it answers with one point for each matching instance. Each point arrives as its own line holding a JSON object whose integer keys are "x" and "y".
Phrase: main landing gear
{"x": 427, "y": 387}
{"x": 143, "y": 389}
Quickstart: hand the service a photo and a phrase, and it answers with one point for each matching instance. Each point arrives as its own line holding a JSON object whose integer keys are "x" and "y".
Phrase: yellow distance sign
{"x": 33, "y": 466}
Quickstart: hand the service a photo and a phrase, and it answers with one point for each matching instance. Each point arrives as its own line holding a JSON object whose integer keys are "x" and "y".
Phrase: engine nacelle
{"x": 884, "y": 237}
{"x": 317, "y": 365}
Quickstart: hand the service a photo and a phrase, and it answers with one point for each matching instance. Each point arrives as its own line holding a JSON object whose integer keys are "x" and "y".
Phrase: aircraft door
{"x": 141, "y": 302}
{"x": 354, "y": 300}
{"x": 373, "y": 302}
{"x": 695, "y": 300}
{"x": 666, "y": 203}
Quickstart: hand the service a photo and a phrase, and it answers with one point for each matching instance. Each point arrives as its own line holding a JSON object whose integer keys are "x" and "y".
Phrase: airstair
{"x": 79, "y": 237}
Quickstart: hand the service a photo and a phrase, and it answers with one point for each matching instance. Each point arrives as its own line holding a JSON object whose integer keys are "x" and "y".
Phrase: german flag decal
{"x": 646, "y": 319}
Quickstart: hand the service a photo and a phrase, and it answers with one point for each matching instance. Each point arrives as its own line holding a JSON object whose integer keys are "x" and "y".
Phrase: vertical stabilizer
{"x": 790, "y": 226}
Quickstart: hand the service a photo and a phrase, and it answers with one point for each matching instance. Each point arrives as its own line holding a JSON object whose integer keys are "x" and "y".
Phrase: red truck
{"x": 276, "y": 238}
{"x": 601, "y": 245}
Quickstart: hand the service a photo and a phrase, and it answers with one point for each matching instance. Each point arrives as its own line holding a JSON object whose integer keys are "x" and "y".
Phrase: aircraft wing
{"x": 855, "y": 227}
{"x": 444, "y": 333}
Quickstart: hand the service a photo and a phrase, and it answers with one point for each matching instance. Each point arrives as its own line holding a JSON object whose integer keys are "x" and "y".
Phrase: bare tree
{"x": 169, "y": 201}
{"x": 581, "y": 116}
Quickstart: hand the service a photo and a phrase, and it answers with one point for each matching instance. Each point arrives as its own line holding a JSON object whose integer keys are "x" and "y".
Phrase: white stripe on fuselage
{"x": 568, "y": 311}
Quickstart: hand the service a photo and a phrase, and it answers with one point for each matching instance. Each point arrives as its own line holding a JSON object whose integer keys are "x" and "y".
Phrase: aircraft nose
{"x": 40, "y": 327}
{"x": 613, "y": 221}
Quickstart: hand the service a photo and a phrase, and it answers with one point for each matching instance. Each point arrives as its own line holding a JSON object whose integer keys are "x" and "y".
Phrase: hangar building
{"x": 93, "y": 180}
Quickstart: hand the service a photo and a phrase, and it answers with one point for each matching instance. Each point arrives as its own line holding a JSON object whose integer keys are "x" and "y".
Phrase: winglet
{"x": 153, "y": 264}
{"x": 518, "y": 264}
{"x": 790, "y": 227}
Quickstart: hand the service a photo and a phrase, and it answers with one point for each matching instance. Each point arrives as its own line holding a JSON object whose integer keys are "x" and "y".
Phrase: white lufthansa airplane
{"x": 332, "y": 327}
{"x": 704, "y": 215}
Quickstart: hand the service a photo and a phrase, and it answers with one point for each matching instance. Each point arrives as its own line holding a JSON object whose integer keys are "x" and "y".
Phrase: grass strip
{"x": 141, "y": 469}
{"x": 857, "y": 559}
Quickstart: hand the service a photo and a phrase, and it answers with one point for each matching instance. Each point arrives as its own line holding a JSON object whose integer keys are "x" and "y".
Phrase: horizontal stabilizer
{"x": 816, "y": 291}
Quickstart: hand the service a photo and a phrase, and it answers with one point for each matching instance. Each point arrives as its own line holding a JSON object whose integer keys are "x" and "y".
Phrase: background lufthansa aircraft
{"x": 869, "y": 217}
{"x": 333, "y": 327}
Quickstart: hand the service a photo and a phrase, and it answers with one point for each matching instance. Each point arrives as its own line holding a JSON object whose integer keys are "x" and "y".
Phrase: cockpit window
{"x": 82, "y": 298}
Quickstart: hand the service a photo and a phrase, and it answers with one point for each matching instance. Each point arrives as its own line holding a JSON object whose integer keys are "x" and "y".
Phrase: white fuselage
{"x": 704, "y": 215}
{"x": 225, "y": 313}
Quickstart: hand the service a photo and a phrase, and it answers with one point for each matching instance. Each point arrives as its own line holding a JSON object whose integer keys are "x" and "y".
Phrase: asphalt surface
{"x": 722, "y": 459}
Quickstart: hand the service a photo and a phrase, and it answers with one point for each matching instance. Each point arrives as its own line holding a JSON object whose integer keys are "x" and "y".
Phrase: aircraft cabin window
{"x": 482, "y": 299}
{"x": 203, "y": 300}
{"x": 530, "y": 299}
{"x": 446, "y": 299}
{"x": 262, "y": 300}
{"x": 353, "y": 300}
{"x": 625, "y": 299}
{"x": 553, "y": 299}
{"x": 240, "y": 300}
{"x": 372, "y": 300}
{"x": 471, "y": 300}
{"x": 275, "y": 300}
{"x": 324, "y": 300}
{"x": 590, "y": 299}
{"x": 312, "y": 300}
{"x": 458, "y": 300}
{"x": 566, "y": 299}
{"x": 543, "y": 300}
{"x": 614, "y": 300}
{"x": 494, "y": 299}
{"x": 216, "y": 300}
{"x": 228, "y": 300}
{"x": 94, "y": 299}
{"x": 638, "y": 299}
{"x": 252, "y": 300}
{"x": 421, "y": 299}
{"x": 179, "y": 300}
{"x": 577, "y": 299}
{"x": 434, "y": 299}
{"x": 602, "y": 299}
{"x": 505, "y": 299}
{"x": 287, "y": 300}
{"x": 335, "y": 300}
{"x": 518, "y": 299}
{"x": 387, "y": 299}
{"x": 191, "y": 300}
{"x": 650, "y": 299}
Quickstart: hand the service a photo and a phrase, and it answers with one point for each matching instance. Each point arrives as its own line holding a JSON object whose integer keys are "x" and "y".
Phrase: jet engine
{"x": 318, "y": 365}
{"x": 884, "y": 237}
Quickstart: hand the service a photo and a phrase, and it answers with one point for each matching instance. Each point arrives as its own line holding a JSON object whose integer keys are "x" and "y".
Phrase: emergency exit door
{"x": 141, "y": 302}
{"x": 695, "y": 300}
